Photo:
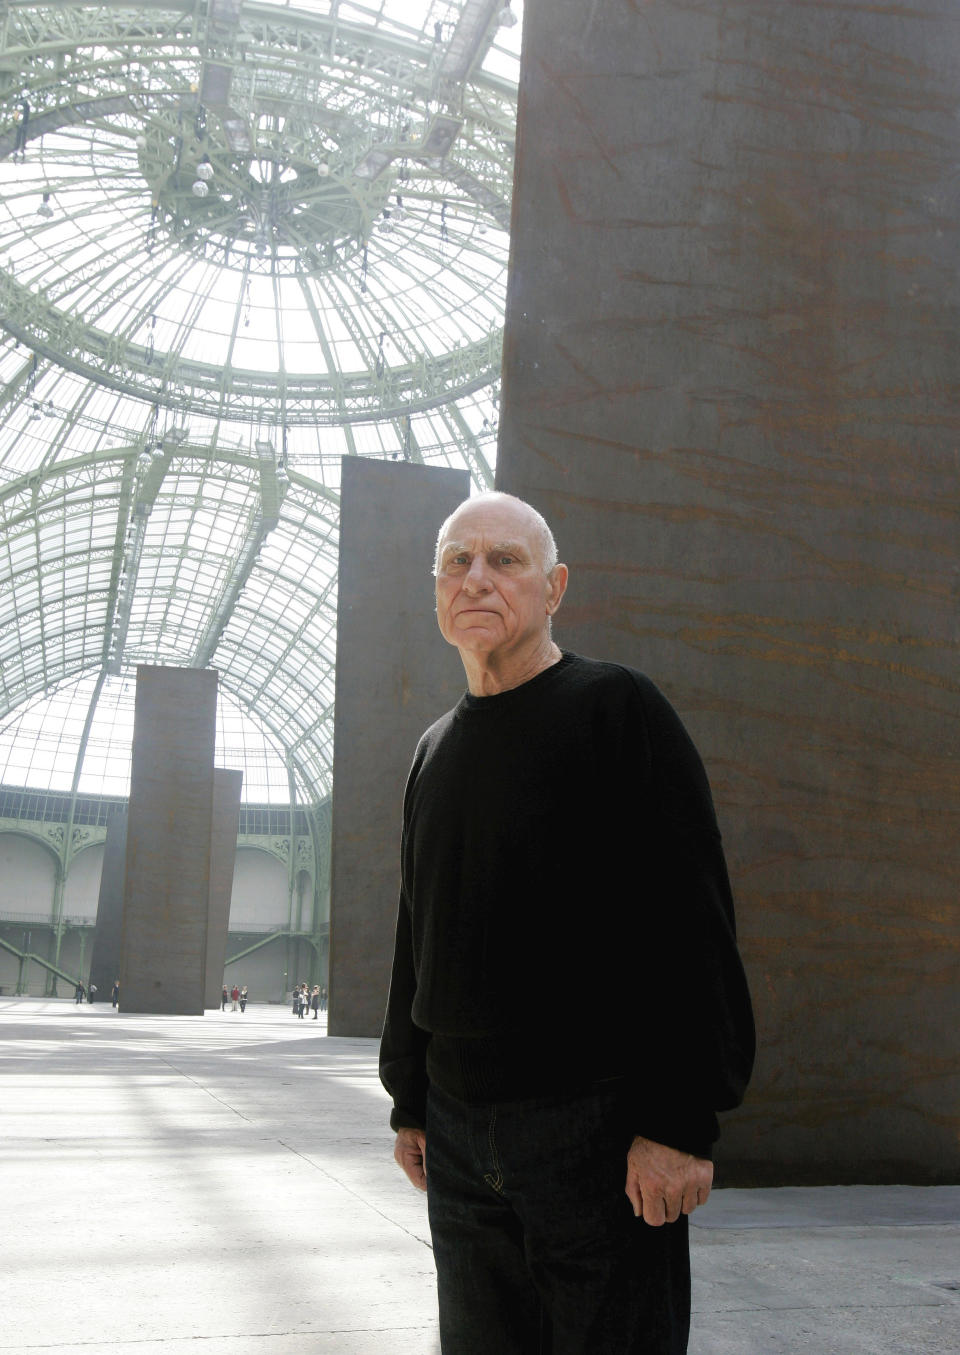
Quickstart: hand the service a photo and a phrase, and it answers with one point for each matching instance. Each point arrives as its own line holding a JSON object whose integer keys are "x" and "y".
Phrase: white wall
{"x": 81, "y": 892}
{"x": 260, "y": 894}
{"x": 28, "y": 878}
{"x": 28, "y": 873}
{"x": 259, "y": 901}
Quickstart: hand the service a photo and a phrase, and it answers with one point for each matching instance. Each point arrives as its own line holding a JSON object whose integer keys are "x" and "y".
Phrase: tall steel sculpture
{"x": 730, "y": 382}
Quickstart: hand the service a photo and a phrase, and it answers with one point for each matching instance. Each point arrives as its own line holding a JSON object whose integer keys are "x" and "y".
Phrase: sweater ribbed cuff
{"x": 690, "y": 1130}
{"x": 404, "y": 1119}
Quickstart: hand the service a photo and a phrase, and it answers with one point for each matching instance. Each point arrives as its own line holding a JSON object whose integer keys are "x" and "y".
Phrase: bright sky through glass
{"x": 39, "y": 745}
{"x": 164, "y": 384}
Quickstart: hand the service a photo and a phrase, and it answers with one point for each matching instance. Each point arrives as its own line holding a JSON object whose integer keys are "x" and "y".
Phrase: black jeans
{"x": 536, "y": 1245}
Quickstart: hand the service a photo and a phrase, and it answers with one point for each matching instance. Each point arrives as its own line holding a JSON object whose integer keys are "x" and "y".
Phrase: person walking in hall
{"x": 323, "y": 999}
{"x": 243, "y": 998}
{"x": 315, "y": 1002}
{"x": 115, "y": 993}
{"x": 79, "y": 992}
{"x": 235, "y": 997}
{"x": 560, "y": 798}
{"x": 223, "y": 998}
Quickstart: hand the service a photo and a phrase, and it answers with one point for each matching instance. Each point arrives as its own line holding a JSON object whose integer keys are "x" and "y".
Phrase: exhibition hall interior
{"x": 282, "y": 282}
{"x": 233, "y": 254}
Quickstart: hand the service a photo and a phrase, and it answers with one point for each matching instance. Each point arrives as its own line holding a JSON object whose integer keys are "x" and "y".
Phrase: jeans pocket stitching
{"x": 494, "y": 1178}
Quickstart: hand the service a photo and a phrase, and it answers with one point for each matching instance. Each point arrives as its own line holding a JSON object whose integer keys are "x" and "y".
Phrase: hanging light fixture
{"x": 506, "y": 18}
{"x": 45, "y": 209}
{"x": 200, "y": 189}
{"x": 205, "y": 169}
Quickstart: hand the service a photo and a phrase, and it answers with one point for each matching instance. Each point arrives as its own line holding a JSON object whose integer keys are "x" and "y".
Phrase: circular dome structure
{"x": 238, "y": 241}
{"x": 266, "y": 216}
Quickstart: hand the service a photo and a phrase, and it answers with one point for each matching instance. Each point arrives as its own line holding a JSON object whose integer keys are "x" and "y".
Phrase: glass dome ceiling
{"x": 238, "y": 241}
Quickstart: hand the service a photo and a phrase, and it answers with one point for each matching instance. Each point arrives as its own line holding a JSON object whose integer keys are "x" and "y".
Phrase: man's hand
{"x": 662, "y": 1182}
{"x": 410, "y": 1153}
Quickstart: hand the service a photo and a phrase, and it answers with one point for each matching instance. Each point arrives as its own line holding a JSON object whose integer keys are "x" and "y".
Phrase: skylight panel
{"x": 149, "y": 299}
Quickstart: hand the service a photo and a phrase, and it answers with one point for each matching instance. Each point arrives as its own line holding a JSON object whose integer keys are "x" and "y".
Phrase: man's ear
{"x": 557, "y": 586}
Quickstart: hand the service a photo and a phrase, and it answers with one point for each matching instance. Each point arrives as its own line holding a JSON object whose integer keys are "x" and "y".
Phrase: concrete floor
{"x": 183, "y": 1185}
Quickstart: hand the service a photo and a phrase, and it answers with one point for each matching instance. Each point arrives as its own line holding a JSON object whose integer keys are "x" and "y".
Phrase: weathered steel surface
{"x": 167, "y": 883}
{"x": 227, "y": 786}
{"x": 108, "y": 933}
{"x": 731, "y": 382}
{"x": 395, "y": 676}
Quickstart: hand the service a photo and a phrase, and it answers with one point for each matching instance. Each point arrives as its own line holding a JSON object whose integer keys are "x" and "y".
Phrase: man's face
{"x": 493, "y": 596}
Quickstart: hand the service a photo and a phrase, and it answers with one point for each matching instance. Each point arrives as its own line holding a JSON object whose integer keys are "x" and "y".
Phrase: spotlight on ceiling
{"x": 205, "y": 169}
{"x": 200, "y": 189}
{"x": 440, "y": 135}
{"x": 45, "y": 209}
{"x": 374, "y": 162}
{"x": 506, "y": 18}
{"x": 237, "y": 132}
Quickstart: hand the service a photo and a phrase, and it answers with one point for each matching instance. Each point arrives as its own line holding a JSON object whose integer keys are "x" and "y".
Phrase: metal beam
{"x": 28, "y": 955}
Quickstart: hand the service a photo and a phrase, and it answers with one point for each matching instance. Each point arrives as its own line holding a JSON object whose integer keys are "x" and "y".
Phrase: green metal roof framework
{"x": 237, "y": 242}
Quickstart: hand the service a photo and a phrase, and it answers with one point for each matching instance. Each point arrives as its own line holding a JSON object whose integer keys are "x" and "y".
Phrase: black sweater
{"x": 565, "y": 914}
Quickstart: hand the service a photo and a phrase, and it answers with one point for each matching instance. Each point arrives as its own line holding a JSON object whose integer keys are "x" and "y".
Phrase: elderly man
{"x": 559, "y": 839}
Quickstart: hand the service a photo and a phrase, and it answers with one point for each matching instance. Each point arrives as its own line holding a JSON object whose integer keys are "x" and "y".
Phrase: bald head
{"x": 498, "y": 584}
{"x": 523, "y": 513}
